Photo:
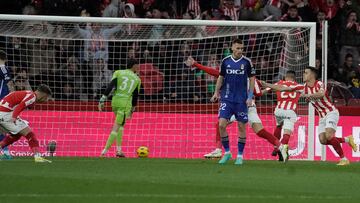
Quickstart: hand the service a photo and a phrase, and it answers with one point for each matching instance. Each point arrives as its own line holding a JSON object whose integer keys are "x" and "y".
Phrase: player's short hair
{"x": 45, "y": 89}
{"x": 237, "y": 41}
{"x": 348, "y": 55}
{"x": 131, "y": 63}
{"x": 291, "y": 73}
{"x": 293, "y": 7}
{"x": 313, "y": 69}
{"x": 3, "y": 55}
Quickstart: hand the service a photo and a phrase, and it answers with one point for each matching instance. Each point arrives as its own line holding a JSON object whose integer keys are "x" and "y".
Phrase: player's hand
{"x": 190, "y": 62}
{"x": 101, "y": 104}
{"x": 215, "y": 97}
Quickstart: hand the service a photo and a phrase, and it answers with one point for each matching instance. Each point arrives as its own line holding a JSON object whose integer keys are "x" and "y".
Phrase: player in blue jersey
{"x": 235, "y": 96}
{"x": 5, "y": 86}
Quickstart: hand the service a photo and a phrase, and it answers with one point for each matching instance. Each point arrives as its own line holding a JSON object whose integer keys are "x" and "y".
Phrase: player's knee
{"x": 222, "y": 126}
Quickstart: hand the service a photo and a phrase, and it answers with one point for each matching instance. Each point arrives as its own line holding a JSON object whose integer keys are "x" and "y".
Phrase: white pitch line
{"x": 173, "y": 196}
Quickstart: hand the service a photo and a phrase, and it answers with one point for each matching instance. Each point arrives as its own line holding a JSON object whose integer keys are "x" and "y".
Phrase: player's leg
{"x": 5, "y": 150}
{"x": 241, "y": 142}
{"x": 327, "y": 130}
{"x": 217, "y": 152}
{"x": 225, "y": 113}
{"x": 256, "y": 125}
{"x": 8, "y": 140}
{"x": 116, "y": 129}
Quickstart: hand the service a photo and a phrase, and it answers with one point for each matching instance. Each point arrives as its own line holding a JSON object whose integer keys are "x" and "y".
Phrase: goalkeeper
{"x": 127, "y": 86}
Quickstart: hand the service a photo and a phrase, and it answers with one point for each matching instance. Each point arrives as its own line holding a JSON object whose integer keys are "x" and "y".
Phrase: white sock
{"x": 344, "y": 158}
{"x": 347, "y": 139}
{"x": 118, "y": 148}
{"x": 240, "y": 156}
{"x": 104, "y": 151}
{"x": 37, "y": 155}
{"x": 228, "y": 152}
{"x": 218, "y": 149}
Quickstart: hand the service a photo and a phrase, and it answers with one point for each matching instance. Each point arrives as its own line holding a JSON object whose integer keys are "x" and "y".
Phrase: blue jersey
{"x": 5, "y": 77}
{"x": 236, "y": 74}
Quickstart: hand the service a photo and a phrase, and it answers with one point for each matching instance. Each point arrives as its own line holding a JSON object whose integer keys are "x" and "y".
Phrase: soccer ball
{"x": 142, "y": 152}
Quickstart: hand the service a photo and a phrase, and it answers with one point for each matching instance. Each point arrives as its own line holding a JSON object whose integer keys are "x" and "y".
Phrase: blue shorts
{"x": 240, "y": 110}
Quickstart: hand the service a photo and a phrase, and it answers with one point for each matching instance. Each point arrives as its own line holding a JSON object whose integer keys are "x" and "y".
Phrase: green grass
{"x": 176, "y": 180}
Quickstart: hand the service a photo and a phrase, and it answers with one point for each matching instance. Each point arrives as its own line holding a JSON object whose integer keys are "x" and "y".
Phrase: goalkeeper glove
{"x": 102, "y": 101}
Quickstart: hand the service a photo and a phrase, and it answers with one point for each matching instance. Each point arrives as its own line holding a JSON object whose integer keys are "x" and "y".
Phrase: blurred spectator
{"x": 195, "y": 7}
{"x": 157, "y": 30}
{"x": 96, "y": 40}
{"x": 320, "y": 18}
{"x": 251, "y": 10}
{"x": 343, "y": 72}
{"x": 21, "y": 80}
{"x": 304, "y": 10}
{"x": 350, "y": 38}
{"x": 102, "y": 75}
{"x": 43, "y": 58}
{"x": 68, "y": 92}
{"x": 29, "y": 10}
{"x": 184, "y": 88}
{"x": 291, "y": 15}
{"x": 114, "y": 9}
{"x": 69, "y": 72}
{"x": 129, "y": 12}
{"x": 330, "y": 8}
{"x": 272, "y": 10}
{"x": 231, "y": 10}
{"x": 144, "y": 10}
{"x": 355, "y": 82}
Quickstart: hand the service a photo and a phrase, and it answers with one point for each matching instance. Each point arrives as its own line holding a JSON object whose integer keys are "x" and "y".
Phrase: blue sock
{"x": 241, "y": 145}
{"x": 225, "y": 143}
{"x": 1, "y": 138}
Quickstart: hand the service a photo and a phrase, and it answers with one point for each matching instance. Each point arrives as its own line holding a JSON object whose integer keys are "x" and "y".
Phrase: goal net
{"x": 174, "y": 117}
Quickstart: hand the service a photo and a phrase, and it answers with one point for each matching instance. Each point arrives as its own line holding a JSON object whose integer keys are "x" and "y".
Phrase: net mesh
{"x": 174, "y": 117}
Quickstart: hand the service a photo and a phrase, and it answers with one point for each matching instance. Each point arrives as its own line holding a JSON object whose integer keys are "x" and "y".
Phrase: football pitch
{"x": 176, "y": 180}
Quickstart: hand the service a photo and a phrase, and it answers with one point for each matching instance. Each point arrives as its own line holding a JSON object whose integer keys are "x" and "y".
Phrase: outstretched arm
{"x": 208, "y": 70}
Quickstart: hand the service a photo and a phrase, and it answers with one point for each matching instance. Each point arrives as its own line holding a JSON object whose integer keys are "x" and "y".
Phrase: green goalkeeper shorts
{"x": 121, "y": 114}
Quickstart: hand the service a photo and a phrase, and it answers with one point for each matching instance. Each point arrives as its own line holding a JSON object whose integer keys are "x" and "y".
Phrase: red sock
{"x": 336, "y": 144}
{"x": 277, "y": 132}
{"x": 33, "y": 142}
{"x": 269, "y": 137}
{"x": 285, "y": 139}
{"x": 341, "y": 139}
{"x": 218, "y": 138}
{"x": 8, "y": 140}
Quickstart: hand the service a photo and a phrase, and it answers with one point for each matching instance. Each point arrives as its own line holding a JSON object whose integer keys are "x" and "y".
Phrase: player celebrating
{"x": 253, "y": 116}
{"x": 315, "y": 92}
{"x": 232, "y": 90}
{"x": 10, "y": 108}
{"x": 6, "y": 85}
{"x": 127, "y": 87}
{"x": 285, "y": 115}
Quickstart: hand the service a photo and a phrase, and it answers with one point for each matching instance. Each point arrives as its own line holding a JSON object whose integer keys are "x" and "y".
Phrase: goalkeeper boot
{"x": 343, "y": 162}
{"x": 214, "y": 154}
{"x": 284, "y": 152}
{"x": 227, "y": 156}
{"x": 39, "y": 159}
{"x": 120, "y": 154}
{"x": 352, "y": 144}
{"x": 239, "y": 160}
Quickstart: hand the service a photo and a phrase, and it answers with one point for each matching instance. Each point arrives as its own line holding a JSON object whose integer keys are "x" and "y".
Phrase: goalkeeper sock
{"x": 285, "y": 139}
{"x": 336, "y": 144}
{"x": 241, "y": 145}
{"x": 225, "y": 143}
{"x": 119, "y": 138}
{"x": 269, "y": 137}
{"x": 110, "y": 141}
{"x": 277, "y": 132}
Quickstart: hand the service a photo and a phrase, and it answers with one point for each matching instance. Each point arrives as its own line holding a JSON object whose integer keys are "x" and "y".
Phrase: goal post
{"x": 174, "y": 118}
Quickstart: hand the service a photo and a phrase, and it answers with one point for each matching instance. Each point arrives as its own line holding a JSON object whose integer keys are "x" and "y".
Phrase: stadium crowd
{"x": 81, "y": 69}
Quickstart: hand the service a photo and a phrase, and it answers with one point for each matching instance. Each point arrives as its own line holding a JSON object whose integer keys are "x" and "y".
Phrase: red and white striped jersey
{"x": 17, "y": 101}
{"x": 323, "y": 105}
{"x": 232, "y": 12}
{"x": 288, "y": 100}
{"x": 194, "y": 5}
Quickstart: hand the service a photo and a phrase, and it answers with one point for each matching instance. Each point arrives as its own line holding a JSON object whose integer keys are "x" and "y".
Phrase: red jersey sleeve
{"x": 27, "y": 101}
{"x": 208, "y": 70}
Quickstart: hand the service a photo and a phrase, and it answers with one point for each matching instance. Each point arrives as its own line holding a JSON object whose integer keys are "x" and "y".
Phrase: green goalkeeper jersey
{"x": 127, "y": 83}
